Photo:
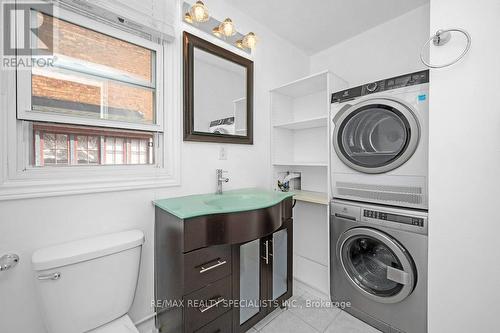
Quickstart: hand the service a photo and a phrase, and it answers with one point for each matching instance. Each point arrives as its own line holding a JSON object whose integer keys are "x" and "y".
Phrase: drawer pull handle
{"x": 214, "y": 302}
{"x": 266, "y": 252}
{"x": 219, "y": 263}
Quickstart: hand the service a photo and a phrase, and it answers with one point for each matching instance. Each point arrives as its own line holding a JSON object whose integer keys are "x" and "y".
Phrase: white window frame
{"x": 18, "y": 179}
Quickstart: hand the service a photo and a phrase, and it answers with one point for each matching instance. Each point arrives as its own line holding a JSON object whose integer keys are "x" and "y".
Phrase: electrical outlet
{"x": 222, "y": 153}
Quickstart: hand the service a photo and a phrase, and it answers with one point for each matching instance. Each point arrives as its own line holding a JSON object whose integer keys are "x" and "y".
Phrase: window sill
{"x": 41, "y": 188}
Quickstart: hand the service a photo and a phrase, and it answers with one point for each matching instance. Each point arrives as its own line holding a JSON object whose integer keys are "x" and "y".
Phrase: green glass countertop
{"x": 228, "y": 202}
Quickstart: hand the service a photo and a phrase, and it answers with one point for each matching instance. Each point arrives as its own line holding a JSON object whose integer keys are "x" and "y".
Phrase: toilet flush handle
{"x": 51, "y": 276}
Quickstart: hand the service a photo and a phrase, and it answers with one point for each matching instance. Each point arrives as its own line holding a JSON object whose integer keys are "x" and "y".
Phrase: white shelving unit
{"x": 299, "y": 143}
{"x": 311, "y": 196}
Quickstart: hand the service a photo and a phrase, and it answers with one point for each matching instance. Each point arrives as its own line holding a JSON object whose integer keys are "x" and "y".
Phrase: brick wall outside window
{"x": 85, "y": 44}
{"x": 94, "y": 47}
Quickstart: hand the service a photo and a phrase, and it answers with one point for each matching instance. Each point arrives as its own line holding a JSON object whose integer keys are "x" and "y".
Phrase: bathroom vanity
{"x": 222, "y": 262}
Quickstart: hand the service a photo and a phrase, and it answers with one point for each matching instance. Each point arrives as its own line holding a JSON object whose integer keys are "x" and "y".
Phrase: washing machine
{"x": 379, "y": 265}
{"x": 379, "y": 142}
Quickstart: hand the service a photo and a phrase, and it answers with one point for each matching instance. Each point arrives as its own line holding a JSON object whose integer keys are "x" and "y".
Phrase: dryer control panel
{"x": 382, "y": 85}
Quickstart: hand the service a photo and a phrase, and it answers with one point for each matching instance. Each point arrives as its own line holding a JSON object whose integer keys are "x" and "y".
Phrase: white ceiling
{"x": 314, "y": 25}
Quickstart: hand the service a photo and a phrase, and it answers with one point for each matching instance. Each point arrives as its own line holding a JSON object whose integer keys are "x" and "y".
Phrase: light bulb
{"x": 250, "y": 40}
{"x": 216, "y": 32}
{"x": 199, "y": 12}
{"x": 188, "y": 18}
{"x": 239, "y": 43}
{"x": 227, "y": 28}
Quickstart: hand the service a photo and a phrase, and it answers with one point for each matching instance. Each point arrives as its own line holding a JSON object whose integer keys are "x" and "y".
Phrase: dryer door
{"x": 376, "y": 135}
{"x": 376, "y": 265}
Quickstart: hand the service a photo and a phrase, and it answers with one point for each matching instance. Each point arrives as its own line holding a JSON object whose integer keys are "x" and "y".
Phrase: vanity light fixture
{"x": 197, "y": 15}
{"x": 216, "y": 32}
{"x": 227, "y": 28}
{"x": 250, "y": 40}
{"x": 199, "y": 12}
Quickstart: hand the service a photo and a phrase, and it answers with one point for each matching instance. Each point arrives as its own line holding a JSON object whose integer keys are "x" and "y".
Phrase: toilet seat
{"x": 121, "y": 325}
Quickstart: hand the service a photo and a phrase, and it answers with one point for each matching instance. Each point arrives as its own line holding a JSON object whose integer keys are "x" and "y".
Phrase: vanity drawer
{"x": 204, "y": 266}
{"x": 220, "y": 325}
{"x": 231, "y": 228}
{"x": 204, "y": 305}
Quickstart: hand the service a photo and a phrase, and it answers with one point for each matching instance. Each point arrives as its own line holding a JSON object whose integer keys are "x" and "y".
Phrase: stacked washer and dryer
{"x": 379, "y": 158}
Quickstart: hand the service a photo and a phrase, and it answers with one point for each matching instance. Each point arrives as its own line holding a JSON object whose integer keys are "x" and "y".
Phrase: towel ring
{"x": 440, "y": 38}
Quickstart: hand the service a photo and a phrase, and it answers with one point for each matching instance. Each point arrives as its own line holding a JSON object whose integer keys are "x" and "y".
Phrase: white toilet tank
{"x": 87, "y": 283}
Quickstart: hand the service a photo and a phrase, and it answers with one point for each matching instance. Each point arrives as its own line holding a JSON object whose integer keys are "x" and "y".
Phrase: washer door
{"x": 376, "y": 135}
{"x": 376, "y": 265}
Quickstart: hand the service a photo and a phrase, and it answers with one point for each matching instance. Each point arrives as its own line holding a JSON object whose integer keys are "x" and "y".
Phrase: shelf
{"x": 313, "y": 164}
{"x": 304, "y": 124}
{"x": 310, "y": 196}
{"x": 304, "y": 86}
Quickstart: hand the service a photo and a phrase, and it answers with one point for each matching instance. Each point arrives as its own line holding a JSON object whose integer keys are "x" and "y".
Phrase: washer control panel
{"x": 404, "y": 219}
{"x": 380, "y": 216}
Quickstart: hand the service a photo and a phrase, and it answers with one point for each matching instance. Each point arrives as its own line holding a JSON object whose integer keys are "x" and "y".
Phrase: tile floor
{"x": 302, "y": 319}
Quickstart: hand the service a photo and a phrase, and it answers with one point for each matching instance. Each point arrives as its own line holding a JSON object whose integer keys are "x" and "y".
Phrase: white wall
{"x": 26, "y": 225}
{"x": 387, "y": 50}
{"x": 464, "y": 159}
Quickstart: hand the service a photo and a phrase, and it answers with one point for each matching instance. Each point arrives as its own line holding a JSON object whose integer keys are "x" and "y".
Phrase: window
{"x": 97, "y": 81}
{"x": 115, "y": 150}
{"x": 101, "y": 118}
{"x": 94, "y": 76}
{"x": 54, "y": 149}
{"x": 87, "y": 149}
{"x": 68, "y": 146}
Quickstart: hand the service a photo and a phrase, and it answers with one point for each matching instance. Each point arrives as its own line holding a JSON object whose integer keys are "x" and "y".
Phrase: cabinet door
{"x": 250, "y": 272}
{"x": 280, "y": 267}
{"x": 262, "y": 276}
{"x": 281, "y": 243}
{"x": 249, "y": 287}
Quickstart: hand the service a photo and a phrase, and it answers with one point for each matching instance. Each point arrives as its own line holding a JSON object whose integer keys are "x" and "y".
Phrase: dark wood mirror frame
{"x": 190, "y": 42}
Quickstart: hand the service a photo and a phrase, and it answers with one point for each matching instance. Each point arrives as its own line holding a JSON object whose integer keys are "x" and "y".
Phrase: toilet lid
{"x": 121, "y": 325}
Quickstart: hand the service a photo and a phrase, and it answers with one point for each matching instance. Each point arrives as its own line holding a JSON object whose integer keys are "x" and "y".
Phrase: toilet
{"x": 89, "y": 285}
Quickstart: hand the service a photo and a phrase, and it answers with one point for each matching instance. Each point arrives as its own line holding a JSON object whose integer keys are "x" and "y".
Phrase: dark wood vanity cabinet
{"x": 222, "y": 272}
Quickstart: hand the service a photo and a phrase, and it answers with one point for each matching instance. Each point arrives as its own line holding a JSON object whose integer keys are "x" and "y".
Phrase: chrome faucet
{"x": 220, "y": 179}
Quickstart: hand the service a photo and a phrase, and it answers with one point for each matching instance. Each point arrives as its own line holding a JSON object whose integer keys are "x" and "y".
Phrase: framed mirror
{"x": 218, "y": 93}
